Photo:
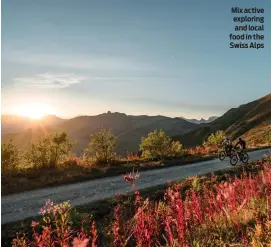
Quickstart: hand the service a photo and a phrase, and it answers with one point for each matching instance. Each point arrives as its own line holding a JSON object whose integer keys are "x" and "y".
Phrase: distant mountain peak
{"x": 202, "y": 120}
{"x": 113, "y": 114}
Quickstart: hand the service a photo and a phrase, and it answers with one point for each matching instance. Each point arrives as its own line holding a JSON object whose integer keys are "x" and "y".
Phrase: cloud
{"x": 48, "y": 80}
{"x": 135, "y": 78}
{"x": 99, "y": 62}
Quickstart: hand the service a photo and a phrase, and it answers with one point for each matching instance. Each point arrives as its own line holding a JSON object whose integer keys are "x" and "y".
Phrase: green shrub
{"x": 60, "y": 146}
{"x": 268, "y": 138}
{"x": 10, "y": 157}
{"x": 176, "y": 148}
{"x": 101, "y": 147}
{"x": 157, "y": 145}
{"x": 48, "y": 152}
{"x": 215, "y": 139}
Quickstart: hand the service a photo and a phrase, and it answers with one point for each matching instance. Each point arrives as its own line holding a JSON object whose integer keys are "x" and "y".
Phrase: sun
{"x": 34, "y": 110}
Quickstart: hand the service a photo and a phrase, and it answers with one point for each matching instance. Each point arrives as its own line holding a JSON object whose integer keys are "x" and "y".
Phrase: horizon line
{"x": 108, "y": 112}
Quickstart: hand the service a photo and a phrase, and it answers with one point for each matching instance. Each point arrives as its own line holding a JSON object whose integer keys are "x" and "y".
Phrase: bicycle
{"x": 239, "y": 155}
{"x": 223, "y": 154}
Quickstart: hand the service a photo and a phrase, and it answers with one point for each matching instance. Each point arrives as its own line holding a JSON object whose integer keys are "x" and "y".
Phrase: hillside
{"x": 128, "y": 129}
{"x": 15, "y": 124}
{"x": 241, "y": 121}
{"x": 258, "y": 134}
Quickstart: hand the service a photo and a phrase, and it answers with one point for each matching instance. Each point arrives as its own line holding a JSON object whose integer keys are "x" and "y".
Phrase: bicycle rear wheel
{"x": 234, "y": 159}
{"x": 222, "y": 155}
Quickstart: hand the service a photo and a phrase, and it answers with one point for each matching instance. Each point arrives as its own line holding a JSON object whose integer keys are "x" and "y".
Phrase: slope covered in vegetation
{"x": 241, "y": 121}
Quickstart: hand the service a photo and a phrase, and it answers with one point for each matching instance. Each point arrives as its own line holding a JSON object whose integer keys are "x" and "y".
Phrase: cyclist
{"x": 241, "y": 143}
{"x": 228, "y": 145}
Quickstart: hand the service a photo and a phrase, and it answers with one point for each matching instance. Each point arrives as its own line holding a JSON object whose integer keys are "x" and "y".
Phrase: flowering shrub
{"x": 55, "y": 229}
{"x": 133, "y": 157}
{"x": 234, "y": 212}
{"x": 202, "y": 150}
{"x": 74, "y": 161}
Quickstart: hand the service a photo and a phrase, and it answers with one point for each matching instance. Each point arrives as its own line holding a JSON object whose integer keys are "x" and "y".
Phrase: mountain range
{"x": 128, "y": 129}
{"x": 251, "y": 120}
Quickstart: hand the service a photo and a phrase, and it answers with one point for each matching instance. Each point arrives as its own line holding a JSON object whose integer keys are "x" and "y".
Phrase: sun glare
{"x": 34, "y": 110}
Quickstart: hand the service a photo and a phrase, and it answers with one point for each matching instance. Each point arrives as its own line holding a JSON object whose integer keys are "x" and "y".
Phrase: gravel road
{"x": 27, "y": 204}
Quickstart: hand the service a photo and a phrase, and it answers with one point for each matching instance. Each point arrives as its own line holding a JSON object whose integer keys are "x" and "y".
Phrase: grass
{"x": 30, "y": 179}
{"x": 259, "y": 134}
{"x": 225, "y": 228}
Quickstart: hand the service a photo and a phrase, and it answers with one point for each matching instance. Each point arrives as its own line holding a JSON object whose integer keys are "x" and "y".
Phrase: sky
{"x": 154, "y": 57}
